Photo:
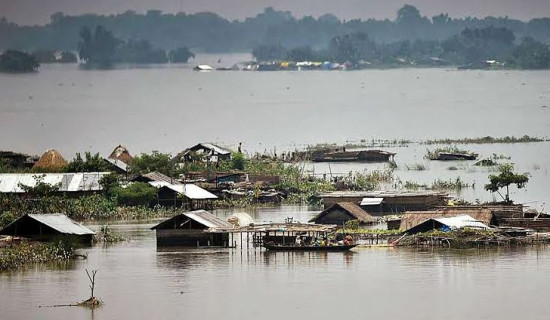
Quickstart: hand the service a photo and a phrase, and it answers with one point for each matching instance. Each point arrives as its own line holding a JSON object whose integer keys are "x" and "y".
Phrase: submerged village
{"x": 46, "y": 202}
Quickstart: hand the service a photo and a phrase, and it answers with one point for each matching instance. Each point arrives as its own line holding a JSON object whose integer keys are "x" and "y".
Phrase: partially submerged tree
{"x": 18, "y": 62}
{"x": 97, "y": 48}
{"x": 504, "y": 179}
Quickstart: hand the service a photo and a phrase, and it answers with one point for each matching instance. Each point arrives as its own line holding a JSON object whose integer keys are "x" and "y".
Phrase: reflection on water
{"x": 136, "y": 280}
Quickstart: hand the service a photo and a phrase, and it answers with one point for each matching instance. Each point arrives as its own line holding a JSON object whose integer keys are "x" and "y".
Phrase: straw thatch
{"x": 413, "y": 218}
{"x": 121, "y": 153}
{"x": 351, "y": 209}
{"x": 51, "y": 160}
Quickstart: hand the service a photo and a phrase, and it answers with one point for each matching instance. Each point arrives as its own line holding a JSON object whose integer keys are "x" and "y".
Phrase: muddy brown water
{"x": 168, "y": 109}
{"x": 138, "y": 281}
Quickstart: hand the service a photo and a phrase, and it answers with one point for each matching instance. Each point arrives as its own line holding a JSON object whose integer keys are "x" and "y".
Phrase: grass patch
{"x": 28, "y": 253}
{"x": 487, "y": 140}
{"x": 434, "y": 155}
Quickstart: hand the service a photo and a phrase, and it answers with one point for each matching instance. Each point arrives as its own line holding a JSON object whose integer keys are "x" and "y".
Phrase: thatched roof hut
{"x": 342, "y": 212}
{"x": 121, "y": 153}
{"x": 51, "y": 159}
{"x": 413, "y": 218}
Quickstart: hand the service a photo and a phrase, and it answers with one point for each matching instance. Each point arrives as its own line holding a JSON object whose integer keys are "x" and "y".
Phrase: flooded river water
{"x": 137, "y": 281}
{"x": 171, "y": 108}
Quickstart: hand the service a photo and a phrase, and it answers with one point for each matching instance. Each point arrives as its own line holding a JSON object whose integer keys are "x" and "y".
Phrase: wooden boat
{"x": 273, "y": 247}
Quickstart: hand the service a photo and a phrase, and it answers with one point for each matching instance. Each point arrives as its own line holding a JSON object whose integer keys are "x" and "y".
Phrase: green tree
{"x": 504, "y": 179}
{"x": 40, "y": 188}
{"x": 237, "y": 160}
{"x": 68, "y": 57}
{"x": 156, "y": 161}
{"x": 352, "y": 48}
{"x": 135, "y": 194}
{"x": 90, "y": 163}
{"x": 18, "y": 62}
{"x": 270, "y": 52}
{"x": 139, "y": 51}
{"x": 44, "y": 56}
{"x": 180, "y": 55}
{"x": 531, "y": 54}
{"x": 97, "y": 48}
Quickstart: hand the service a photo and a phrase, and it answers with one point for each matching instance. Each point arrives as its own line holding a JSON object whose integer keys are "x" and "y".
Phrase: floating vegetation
{"x": 26, "y": 253}
{"x": 486, "y": 163}
{"x": 410, "y": 185}
{"x": 416, "y": 167}
{"x": 451, "y": 184}
{"x": 456, "y": 184}
{"x": 106, "y": 235}
{"x": 500, "y": 157}
{"x": 438, "y": 153}
{"x": 487, "y": 140}
{"x": 367, "y": 181}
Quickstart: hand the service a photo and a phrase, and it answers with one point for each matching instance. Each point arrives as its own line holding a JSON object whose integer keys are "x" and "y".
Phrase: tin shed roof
{"x": 69, "y": 182}
{"x": 58, "y": 222}
{"x": 201, "y": 216}
{"x": 189, "y": 190}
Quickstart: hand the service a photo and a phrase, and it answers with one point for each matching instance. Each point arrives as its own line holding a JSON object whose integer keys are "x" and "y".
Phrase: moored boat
{"x": 274, "y": 247}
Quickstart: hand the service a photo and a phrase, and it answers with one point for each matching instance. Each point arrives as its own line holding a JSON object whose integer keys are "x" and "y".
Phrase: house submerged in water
{"x": 191, "y": 229}
{"x": 47, "y": 227}
{"x": 343, "y": 212}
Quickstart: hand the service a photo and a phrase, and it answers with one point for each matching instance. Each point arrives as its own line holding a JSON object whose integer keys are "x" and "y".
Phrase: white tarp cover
{"x": 463, "y": 221}
{"x": 240, "y": 219}
{"x": 190, "y": 190}
{"x": 371, "y": 201}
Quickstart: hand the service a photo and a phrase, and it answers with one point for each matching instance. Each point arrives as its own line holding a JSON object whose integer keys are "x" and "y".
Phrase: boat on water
{"x": 274, "y": 247}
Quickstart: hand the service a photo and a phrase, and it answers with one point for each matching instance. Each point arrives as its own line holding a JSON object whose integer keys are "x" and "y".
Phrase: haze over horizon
{"x": 30, "y": 12}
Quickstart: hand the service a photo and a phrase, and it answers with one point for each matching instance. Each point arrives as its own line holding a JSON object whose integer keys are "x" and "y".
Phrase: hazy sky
{"x": 38, "y": 11}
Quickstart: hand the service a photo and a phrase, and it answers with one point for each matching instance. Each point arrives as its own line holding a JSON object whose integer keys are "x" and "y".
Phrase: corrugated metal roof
{"x": 463, "y": 221}
{"x": 118, "y": 163}
{"x": 201, "y": 216}
{"x": 207, "y": 219}
{"x": 371, "y": 201}
{"x": 382, "y": 194}
{"x": 157, "y": 176}
{"x": 217, "y": 149}
{"x": 191, "y": 191}
{"x": 69, "y": 182}
{"x": 61, "y": 223}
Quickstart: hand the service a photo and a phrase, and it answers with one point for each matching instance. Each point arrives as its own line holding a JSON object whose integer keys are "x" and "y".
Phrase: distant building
{"x": 387, "y": 202}
{"x": 17, "y": 160}
{"x": 155, "y": 176}
{"x": 47, "y": 227}
{"x": 342, "y": 212}
{"x": 191, "y": 229}
{"x": 412, "y": 219}
{"x": 121, "y": 153}
{"x": 51, "y": 160}
{"x": 207, "y": 152}
{"x": 447, "y": 224}
{"x": 189, "y": 196}
{"x": 120, "y": 159}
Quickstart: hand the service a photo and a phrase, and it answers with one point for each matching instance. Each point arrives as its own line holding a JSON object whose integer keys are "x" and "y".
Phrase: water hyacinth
{"x": 28, "y": 253}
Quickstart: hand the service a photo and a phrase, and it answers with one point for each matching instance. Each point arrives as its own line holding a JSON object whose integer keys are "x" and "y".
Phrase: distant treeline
{"x": 487, "y": 47}
{"x": 211, "y": 33}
